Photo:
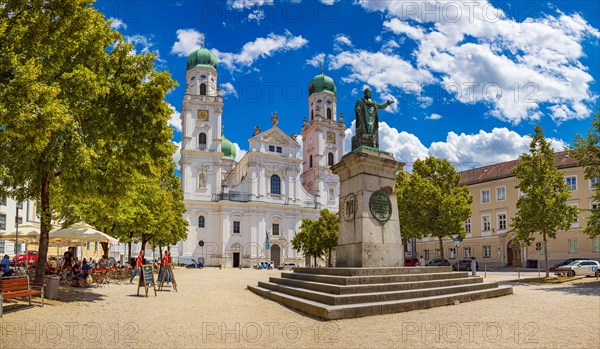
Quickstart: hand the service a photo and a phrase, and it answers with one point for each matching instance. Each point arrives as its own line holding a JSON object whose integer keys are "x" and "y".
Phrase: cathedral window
{"x": 330, "y": 159}
{"x": 310, "y": 162}
{"x": 312, "y": 114}
{"x": 201, "y": 222}
{"x": 202, "y": 140}
{"x": 203, "y": 89}
{"x": 275, "y": 229}
{"x": 236, "y": 227}
{"x": 329, "y": 113}
{"x": 275, "y": 184}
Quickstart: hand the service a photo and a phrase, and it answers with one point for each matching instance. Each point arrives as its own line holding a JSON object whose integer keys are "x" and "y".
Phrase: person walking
{"x": 166, "y": 260}
{"x": 473, "y": 266}
{"x": 421, "y": 261}
{"x": 138, "y": 266}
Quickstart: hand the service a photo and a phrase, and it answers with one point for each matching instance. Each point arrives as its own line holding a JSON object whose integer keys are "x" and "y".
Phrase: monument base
{"x": 369, "y": 227}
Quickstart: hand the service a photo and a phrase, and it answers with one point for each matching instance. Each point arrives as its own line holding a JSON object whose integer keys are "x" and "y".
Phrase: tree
{"x": 431, "y": 201}
{"x": 317, "y": 237}
{"x": 543, "y": 207}
{"x": 587, "y": 152}
{"x": 76, "y": 106}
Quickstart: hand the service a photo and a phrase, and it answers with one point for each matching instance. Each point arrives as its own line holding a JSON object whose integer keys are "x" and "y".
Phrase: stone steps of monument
{"x": 370, "y": 288}
{"x": 333, "y": 299}
{"x": 372, "y": 271}
{"x": 332, "y": 312}
{"x": 377, "y": 279}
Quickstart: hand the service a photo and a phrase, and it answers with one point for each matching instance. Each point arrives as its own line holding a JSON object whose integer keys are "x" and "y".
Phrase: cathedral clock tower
{"x": 322, "y": 141}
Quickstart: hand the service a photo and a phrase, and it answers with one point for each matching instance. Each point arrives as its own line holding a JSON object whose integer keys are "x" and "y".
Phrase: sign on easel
{"x": 146, "y": 279}
{"x": 162, "y": 277}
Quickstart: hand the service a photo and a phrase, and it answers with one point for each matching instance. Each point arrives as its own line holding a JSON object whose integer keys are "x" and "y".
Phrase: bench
{"x": 18, "y": 287}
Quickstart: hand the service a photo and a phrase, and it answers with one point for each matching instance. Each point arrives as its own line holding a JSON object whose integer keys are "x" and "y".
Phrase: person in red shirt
{"x": 138, "y": 266}
{"x": 166, "y": 261}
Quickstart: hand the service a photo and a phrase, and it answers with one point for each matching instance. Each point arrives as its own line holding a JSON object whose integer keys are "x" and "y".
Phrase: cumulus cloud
{"x": 188, "y": 40}
{"x": 328, "y": 2}
{"x": 316, "y": 60}
{"x": 117, "y": 23}
{"x": 464, "y": 151}
{"x": 227, "y": 89}
{"x": 261, "y": 48}
{"x": 175, "y": 120}
{"x": 433, "y": 116}
{"x": 481, "y": 55}
{"x": 177, "y": 153}
{"x": 256, "y": 16}
{"x": 341, "y": 41}
{"x": 239, "y": 152}
{"x": 247, "y": 4}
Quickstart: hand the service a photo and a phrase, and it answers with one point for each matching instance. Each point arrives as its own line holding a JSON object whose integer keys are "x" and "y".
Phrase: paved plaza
{"x": 213, "y": 309}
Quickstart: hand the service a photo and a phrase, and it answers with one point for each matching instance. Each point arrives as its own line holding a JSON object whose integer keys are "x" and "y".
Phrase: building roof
{"x": 202, "y": 57}
{"x": 228, "y": 149}
{"x": 321, "y": 83}
{"x": 504, "y": 169}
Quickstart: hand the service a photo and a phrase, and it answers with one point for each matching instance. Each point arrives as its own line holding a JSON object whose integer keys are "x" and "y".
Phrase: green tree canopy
{"x": 587, "y": 151}
{"x": 431, "y": 201}
{"x": 317, "y": 237}
{"x": 76, "y": 106}
{"x": 543, "y": 208}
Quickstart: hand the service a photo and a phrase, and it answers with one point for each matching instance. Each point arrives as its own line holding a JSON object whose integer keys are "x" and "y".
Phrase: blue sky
{"x": 470, "y": 80}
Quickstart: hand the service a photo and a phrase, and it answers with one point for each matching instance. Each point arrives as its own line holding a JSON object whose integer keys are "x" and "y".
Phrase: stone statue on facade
{"x": 257, "y": 130}
{"x": 367, "y": 121}
{"x": 275, "y": 119}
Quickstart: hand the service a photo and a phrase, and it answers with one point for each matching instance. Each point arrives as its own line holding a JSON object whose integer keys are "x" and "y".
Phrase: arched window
{"x": 201, "y": 221}
{"x": 202, "y": 140}
{"x": 275, "y": 184}
{"x": 310, "y": 164}
{"x": 312, "y": 114}
{"x": 329, "y": 113}
{"x": 330, "y": 159}
{"x": 203, "y": 89}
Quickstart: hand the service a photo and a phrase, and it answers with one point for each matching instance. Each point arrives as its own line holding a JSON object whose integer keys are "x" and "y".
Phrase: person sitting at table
{"x": 85, "y": 271}
{"x": 67, "y": 260}
{"x": 5, "y": 267}
{"x": 103, "y": 262}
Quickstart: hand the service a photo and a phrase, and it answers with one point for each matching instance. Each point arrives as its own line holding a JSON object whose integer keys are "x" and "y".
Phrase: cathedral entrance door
{"x": 236, "y": 259}
{"x": 276, "y": 255}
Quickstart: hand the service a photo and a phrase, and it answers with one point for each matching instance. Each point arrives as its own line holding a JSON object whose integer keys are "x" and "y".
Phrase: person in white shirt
{"x": 421, "y": 261}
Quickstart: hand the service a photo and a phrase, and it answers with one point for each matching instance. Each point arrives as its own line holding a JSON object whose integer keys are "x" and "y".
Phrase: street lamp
{"x": 17, "y": 234}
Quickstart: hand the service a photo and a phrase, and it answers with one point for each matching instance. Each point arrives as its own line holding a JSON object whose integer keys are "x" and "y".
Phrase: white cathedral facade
{"x": 236, "y": 209}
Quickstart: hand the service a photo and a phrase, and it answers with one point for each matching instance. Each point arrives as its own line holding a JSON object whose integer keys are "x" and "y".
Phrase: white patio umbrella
{"x": 80, "y": 233}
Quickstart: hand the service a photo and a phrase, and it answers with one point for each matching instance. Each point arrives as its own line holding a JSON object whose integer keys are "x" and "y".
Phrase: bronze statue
{"x": 367, "y": 121}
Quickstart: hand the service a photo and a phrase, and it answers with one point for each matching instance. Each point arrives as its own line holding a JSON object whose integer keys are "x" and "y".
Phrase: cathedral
{"x": 242, "y": 212}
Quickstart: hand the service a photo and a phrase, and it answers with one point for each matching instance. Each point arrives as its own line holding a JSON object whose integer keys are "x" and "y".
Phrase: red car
{"x": 411, "y": 262}
{"x": 31, "y": 257}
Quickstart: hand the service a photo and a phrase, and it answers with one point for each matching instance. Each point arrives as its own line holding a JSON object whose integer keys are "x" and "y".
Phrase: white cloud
{"x": 239, "y": 152}
{"x": 328, "y": 2}
{"x": 433, "y": 116}
{"x": 261, "y": 48}
{"x": 464, "y": 150}
{"x": 481, "y": 55}
{"x": 343, "y": 40}
{"x": 316, "y": 60}
{"x": 177, "y": 153}
{"x": 257, "y": 16}
{"x": 175, "y": 120}
{"x": 117, "y": 23}
{"x": 188, "y": 40}
{"x": 228, "y": 89}
{"x": 247, "y": 4}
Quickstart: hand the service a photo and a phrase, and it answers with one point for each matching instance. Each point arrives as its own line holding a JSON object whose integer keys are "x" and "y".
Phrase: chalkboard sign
{"x": 147, "y": 279}
{"x": 162, "y": 277}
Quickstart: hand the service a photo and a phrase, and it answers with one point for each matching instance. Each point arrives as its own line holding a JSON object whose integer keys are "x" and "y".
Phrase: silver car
{"x": 580, "y": 268}
{"x": 287, "y": 265}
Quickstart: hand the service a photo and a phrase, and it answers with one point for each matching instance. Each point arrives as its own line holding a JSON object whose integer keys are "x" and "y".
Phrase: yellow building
{"x": 489, "y": 235}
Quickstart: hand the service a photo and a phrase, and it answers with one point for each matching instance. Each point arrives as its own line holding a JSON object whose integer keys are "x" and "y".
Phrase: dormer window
{"x": 272, "y": 148}
{"x": 203, "y": 76}
{"x": 279, "y": 150}
{"x": 203, "y": 89}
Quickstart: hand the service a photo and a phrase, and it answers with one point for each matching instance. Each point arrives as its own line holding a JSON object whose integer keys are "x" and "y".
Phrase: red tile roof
{"x": 503, "y": 169}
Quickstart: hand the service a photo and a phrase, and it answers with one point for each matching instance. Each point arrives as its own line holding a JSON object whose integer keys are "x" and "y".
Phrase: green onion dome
{"x": 202, "y": 57}
{"x": 228, "y": 149}
{"x": 321, "y": 83}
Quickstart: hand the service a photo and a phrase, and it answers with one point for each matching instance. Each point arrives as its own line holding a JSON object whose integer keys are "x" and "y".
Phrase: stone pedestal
{"x": 365, "y": 240}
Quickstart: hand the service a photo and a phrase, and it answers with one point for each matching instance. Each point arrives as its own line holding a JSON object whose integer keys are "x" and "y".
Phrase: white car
{"x": 580, "y": 268}
{"x": 287, "y": 265}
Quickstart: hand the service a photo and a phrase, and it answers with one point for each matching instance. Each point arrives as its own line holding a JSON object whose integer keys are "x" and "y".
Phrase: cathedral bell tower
{"x": 201, "y": 114}
{"x": 322, "y": 140}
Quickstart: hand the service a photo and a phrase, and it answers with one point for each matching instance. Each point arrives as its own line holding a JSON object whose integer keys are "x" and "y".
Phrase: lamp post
{"x": 17, "y": 234}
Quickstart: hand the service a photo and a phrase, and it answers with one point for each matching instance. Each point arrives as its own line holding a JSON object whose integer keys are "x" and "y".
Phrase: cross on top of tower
{"x": 322, "y": 65}
{"x": 201, "y": 40}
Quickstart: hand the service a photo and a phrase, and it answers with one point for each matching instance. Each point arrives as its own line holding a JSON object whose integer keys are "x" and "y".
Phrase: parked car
{"x": 183, "y": 261}
{"x": 438, "y": 263}
{"x": 287, "y": 265}
{"x": 265, "y": 265}
{"x": 411, "y": 262}
{"x": 580, "y": 268}
{"x": 30, "y": 257}
{"x": 464, "y": 264}
{"x": 567, "y": 261}
{"x": 198, "y": 264}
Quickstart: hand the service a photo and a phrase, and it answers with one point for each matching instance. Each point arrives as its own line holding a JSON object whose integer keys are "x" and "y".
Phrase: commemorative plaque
{"x": 380, "y": 206}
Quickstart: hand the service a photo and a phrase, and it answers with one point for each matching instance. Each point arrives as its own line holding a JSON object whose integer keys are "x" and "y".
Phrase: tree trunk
{"x": 104, "y": 248}
{"x": 441, "y": 249}
{"x": 144, "y": 241}
{"x": 315, "y": 260}
{"x": 546, "y": 255}
{"x": 129, "y": 252}
{"x": 45, "y": 226}
{"x": 329, "y": 259}
{"x": 160, "y": 252}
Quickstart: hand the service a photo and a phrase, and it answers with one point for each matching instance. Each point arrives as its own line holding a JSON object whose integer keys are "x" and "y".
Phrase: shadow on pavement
{"x": 579, "y": 288}
{"x": 71, "y": 294}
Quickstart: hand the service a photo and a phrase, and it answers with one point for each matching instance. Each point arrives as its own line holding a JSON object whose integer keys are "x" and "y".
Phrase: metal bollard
{"x": 539, "y": 270}
{"x": 485, "y": 271}
{"x": 519, "y": 272}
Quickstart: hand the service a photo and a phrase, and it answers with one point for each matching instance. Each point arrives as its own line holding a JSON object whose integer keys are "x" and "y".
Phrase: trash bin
{"x": 52, "y": 283}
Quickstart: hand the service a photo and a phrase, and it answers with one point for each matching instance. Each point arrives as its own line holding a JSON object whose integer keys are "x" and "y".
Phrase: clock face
{"x": 203, "y": 115}
{"x": 330, "y": 137}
